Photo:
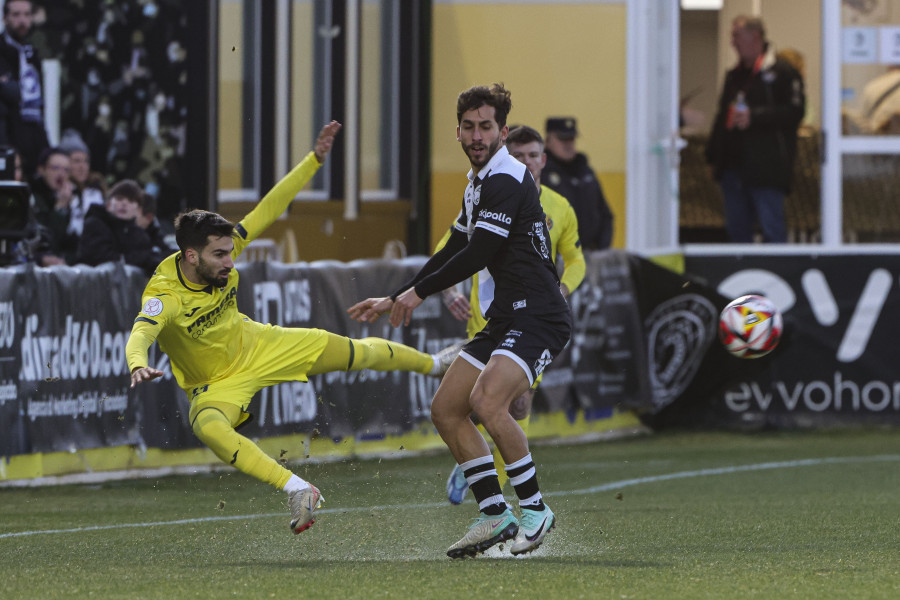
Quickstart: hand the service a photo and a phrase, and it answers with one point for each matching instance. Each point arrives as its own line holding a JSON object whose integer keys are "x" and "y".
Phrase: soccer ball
{"x": 750, "y": 326}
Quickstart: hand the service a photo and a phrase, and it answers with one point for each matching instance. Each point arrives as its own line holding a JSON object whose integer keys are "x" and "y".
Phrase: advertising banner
{"x": 644, "y": 339}
{"x": 603, "y": 365}
{"x": 68, "y": 329}
{"x": 835, "y": 363}
{"x": 355, "y": 403}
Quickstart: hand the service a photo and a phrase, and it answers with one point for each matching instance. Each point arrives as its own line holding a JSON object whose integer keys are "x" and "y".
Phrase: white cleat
{"x": 485, "y": 531}
{"x": 303, "y": 505}
{"x": 444, "y": 358}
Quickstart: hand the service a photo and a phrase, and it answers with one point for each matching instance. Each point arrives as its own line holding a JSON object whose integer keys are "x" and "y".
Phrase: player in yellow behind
{"x": 221, "y": 358}
{"x": 525, "y": 145}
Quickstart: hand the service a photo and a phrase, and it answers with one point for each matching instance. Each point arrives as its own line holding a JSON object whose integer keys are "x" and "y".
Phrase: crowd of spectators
{"x": 73, "y": 220}
{"x": 123, "y": 93}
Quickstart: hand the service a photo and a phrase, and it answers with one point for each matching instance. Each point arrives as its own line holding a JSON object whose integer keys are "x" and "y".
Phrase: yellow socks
{"x": 384, "y": 355}
{"x": 213, "y": 426}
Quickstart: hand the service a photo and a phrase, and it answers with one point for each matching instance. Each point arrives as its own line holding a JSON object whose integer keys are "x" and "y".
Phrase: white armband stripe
{"x": 492, "y": 228}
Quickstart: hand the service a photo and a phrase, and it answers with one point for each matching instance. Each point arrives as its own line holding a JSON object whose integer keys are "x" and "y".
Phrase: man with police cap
{"x": 568, "y": 173}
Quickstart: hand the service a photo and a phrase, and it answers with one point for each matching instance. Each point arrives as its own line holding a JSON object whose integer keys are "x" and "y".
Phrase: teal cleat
{"x": 535, "y": 525}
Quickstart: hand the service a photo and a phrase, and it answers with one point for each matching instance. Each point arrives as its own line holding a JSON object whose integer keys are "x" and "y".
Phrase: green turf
{"x": 816, "y": 530}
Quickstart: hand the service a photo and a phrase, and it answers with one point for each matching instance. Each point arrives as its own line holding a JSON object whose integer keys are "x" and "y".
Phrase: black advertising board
{"x": 836, "y": 363}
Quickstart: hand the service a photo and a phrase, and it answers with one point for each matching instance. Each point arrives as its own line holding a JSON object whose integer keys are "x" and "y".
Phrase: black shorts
{"x": 532, "y": 342}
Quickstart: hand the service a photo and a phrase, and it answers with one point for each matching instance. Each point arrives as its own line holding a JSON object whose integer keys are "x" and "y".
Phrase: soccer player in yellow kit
{"x": 221, "y": 358}
{"x": 526, "y": 145}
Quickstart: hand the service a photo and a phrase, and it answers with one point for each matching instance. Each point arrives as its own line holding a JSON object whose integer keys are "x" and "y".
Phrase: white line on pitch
{"x": 615, "y": 485}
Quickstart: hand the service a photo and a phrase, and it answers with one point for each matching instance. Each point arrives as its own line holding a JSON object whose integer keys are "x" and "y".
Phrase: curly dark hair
{"x": 496, "y": 96}
{"x": 193, "y": 228}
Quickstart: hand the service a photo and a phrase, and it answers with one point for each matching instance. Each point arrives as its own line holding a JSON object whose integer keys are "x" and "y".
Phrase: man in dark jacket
{"x": 21, "y": 95}
{"x": 568, "y": 173}
{"x": 754, "y": 137}
{"x": 52, "y": 194}
{"x": 112, "y": 234}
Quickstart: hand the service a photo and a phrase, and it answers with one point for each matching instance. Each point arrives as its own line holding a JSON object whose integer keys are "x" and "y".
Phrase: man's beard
{"x": 19, "y": 35}
{"x": 210, "y": 276}
{"x": 491, "y": 150}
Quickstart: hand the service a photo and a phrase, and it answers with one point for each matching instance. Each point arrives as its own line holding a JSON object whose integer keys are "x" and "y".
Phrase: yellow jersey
{"x": 564, "y": 242}
{"x": 200, "y": 327}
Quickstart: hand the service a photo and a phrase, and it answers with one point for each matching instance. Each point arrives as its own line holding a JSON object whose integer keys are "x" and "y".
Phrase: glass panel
{"x": 312, "y": 31}
{"x": 239, "y": 87}
{"x": 379, "y": 98}
{"x": 231, "y": 83}
{"x": 794, "y": 31}
{"x": 870, "y": 71}
{"x": 870, "y": 115}
{"x": 871, "y": 211}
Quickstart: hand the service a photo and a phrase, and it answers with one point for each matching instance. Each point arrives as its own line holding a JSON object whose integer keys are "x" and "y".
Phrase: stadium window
{"x": 239, "y": 87}
{"x": 379, "y": 100}
{"x": 309, "y": 87}
{"x": 283, "y": 73}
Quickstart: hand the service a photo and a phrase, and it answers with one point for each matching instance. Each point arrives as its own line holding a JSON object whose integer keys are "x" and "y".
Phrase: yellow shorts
{"x": 276, "y": 355}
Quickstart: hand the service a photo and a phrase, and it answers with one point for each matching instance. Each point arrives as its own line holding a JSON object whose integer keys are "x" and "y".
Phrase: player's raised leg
{"x": 378, "y": 354}
{"x": 213, "y": 424}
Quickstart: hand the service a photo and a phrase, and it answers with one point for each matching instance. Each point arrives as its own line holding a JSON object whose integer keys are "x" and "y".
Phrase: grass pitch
{"x": 787, "y": 515}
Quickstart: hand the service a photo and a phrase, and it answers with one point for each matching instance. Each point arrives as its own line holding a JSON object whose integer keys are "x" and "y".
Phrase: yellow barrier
{"x": 129, "y": 461}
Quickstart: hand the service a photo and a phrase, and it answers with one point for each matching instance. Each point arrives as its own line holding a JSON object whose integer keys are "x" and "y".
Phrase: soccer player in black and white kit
{"x": 501, "y": 234}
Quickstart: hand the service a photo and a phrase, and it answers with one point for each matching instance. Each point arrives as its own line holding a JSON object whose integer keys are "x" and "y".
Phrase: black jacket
{"x": 60, "y": 241}
{"x": 28, "y": 137}
{"x": 577, "y": 182}
{"x": 106, "y": 238}
{"x": 763, "y": 153}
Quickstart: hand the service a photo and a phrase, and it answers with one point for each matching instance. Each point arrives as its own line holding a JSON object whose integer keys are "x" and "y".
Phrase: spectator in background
{"x": 111, "y": 233}
{"x": 52, "y": 193}
{"x": 148, "y": 221}
{"x": 568, "y": 173}
{"x": 21, "y": 95}
{"x": 754, "y": 136}
{"x": 90, "y": 188}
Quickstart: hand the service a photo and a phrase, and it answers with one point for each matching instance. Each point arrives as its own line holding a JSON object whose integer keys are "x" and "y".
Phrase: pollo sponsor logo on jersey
{"x": 204, "y": 322}
{"x": 501, "y": 217}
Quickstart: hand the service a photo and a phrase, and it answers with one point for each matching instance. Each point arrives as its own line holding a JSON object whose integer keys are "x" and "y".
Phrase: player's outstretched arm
{"x": 326, "y": 140}
{"x": 370, "y": 309}
{"x": 141, "y": 374}
{"x": 404, "y": 305}
{"x": 276, "y": 200}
